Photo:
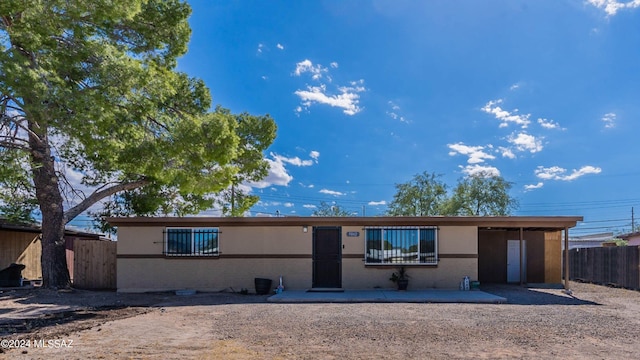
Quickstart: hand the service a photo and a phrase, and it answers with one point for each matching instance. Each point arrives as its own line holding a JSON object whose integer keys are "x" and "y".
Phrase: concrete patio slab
{"x": 389, "y": 295}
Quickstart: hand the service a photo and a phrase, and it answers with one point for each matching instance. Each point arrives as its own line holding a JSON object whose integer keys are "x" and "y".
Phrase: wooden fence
{"x": 617, "y": 265}
{"x": 94, "y": 264}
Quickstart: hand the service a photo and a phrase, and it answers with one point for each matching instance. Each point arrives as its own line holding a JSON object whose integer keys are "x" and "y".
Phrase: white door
{"x": 513, "y": 260}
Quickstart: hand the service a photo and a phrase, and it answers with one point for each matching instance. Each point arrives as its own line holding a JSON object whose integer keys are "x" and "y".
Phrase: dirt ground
{"x": 597, "y": 322}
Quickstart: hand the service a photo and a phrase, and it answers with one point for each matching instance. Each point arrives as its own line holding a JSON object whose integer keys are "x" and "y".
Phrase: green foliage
{"x": 326, "y": 209}
{"x": 256, "y": 133}
{"x": 424, "y": 195}
{"x": 236, "y": 202}
{"x": 98, "y": 81}
{"x": 400, "y": 274}
{"x": 481, "y": 195}
{"x": 17, "y": 200}
{"x": 620, "y": 242}
{"x": 90, "y": 86}
{"x": 475, "y": 195}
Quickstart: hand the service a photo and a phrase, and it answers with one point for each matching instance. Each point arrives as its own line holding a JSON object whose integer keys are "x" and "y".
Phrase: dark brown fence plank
{"x": 618, "y": 265}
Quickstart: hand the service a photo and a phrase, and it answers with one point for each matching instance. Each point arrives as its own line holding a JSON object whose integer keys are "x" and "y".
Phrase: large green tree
{"x": 256, "y": 134}
{"x": 330, "y": 209}
{"x": 424, "y": 195}
{"x": 89, "y": 87}
{"x": 481, "y": 194}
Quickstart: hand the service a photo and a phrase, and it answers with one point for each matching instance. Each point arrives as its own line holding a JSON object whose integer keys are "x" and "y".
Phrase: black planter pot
{"x": 402, "y": 284}
{"x": 263, "y": 286}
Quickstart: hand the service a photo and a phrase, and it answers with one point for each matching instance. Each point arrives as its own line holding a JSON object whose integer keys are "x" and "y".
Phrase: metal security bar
{"x": 401, "y": 245}
{"x": 191, "y": 242}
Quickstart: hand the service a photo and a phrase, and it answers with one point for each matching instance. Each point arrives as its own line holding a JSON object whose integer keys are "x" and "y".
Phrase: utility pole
{"x": 633, "y": 221}
{"x": 232, "y": 199}
{"x": 363, "y": 214}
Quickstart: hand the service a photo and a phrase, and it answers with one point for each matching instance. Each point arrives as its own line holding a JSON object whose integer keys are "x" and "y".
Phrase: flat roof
{"x": 541, "y": 222}
{"x": 36, "y": 229}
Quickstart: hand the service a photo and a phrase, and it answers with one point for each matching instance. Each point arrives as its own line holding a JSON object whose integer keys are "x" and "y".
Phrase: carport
{"x": 525, "y": 252}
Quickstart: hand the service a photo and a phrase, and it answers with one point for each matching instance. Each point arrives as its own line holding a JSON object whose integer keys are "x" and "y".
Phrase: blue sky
{"x": 366, "y": 94}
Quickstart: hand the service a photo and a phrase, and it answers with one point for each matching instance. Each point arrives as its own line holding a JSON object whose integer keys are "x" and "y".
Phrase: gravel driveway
{"x": 597, "y": 322}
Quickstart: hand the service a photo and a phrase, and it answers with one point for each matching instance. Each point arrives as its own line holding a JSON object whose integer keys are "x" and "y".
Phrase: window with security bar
{"x": 401, "y": 245}
{"x": 192, "y": 242}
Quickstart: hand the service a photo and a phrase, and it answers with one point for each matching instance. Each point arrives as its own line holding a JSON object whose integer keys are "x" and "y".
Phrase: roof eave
{"x": 480, "y": 221}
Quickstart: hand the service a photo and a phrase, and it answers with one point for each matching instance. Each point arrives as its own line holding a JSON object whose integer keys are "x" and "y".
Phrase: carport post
{"x": 566, "y": 258}
{"x": 521, "y": 257}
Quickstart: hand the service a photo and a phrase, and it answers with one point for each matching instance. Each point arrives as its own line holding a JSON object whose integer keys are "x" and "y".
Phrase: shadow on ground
{"x": 522, "y": 295}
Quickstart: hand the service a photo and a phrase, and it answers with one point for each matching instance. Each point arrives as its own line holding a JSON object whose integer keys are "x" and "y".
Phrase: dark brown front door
{"x": 327, "y": 257}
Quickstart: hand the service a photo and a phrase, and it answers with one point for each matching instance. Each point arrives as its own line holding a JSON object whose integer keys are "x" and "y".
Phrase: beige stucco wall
{"x": 147, "y": 240}
{"x": 265, "y": 240}
{"x": 142, "y": 240}
{"x": 289, "y": 250}
{"x": 447, "y": 274}
{"x": 143, "y": 275}
{"x": 458, "y": 240}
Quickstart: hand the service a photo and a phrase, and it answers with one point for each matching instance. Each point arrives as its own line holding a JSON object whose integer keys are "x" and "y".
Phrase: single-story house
{"x": 212, "y": 254}
{"x": 20, "y": 244}
{"x": 632, "y": 239}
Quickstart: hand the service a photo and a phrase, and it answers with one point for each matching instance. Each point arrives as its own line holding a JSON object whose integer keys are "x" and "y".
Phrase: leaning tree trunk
{"x": 54, "y": 261}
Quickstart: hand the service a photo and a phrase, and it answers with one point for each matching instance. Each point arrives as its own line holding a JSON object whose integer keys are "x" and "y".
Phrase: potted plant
{"x": 401, "y": 278}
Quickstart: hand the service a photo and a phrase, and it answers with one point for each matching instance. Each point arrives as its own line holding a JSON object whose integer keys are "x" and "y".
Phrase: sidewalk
{"x": 389, "y": 295}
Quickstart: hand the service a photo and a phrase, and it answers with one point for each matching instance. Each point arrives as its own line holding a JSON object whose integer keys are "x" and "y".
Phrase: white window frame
{"x": 194, "y": 230}
{"x": 382, "y": 239}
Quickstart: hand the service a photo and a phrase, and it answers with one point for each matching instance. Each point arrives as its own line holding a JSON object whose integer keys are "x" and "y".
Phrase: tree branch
{"x": 99, "y": 195}
{"x": 11, "y": 144}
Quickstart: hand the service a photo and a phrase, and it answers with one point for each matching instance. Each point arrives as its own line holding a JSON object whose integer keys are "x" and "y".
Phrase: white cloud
{"x": 478, "y": 170}
{"x": 611, "y": 7}
{"x": 394, "y": 113}
{"x": 558, "y": 173}
{"x": 533, "y": 186}
{"x": 309, "y": 206}
{"x": 260, "y": 47}
{"x": 526, "y": 142}
{"x": 269, "y": 203}
{"x": 314, "y": 155}
{"x": 506, "y": 152}
{"x": 331, "y": 192}
{"x": 296, "y": 161}
{"x": 288, "y": 204}
{"x": 263, "y": 215}
{"x": 609, "y": 120}
{"x": 505, "y": 116}
{"x": 278, "y": 175}
{"x": 348, "y": 99}
{"x": 549, "y": 124}
{"x": 306, "y": 66}
{"x": 280, "y": 46}
{"x": 475, "y": 153}
{"x": 514, "y": 87}
{"x": 377, "y": 203}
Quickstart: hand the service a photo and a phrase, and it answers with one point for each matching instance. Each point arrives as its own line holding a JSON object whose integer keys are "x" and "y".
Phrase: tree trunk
{"x": 55, "y": 273}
